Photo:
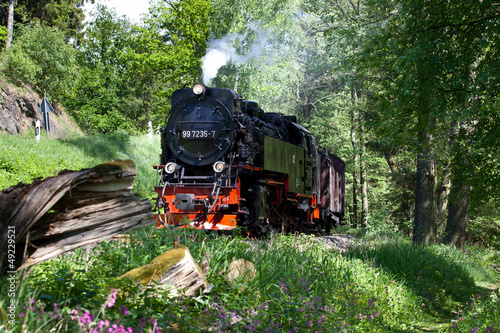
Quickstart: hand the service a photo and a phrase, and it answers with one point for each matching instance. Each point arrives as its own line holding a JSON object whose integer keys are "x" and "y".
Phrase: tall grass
{"x": 22, "y": 158}
{"x": 300, "y": 286}
{"x": 385, "y": 284}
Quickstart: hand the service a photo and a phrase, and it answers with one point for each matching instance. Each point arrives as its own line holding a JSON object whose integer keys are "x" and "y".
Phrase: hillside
{"x": 19, "y": 112}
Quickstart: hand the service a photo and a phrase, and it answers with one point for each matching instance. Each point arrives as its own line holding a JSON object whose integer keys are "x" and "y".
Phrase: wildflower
{"x": 73, "y": 314}
{"x": 103, "y": 324}
{"x": 112, "y": 298}
{"x": 87, "y": 318}
{"x": 123, "y": 310}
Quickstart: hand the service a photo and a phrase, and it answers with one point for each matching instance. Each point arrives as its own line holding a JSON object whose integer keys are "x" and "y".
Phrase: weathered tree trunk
{"x": 68, "y": 211}
{"x": 10, "y": 24}
{"x": 445, "y": 185}
{"x": 443, "y": 191}
{"x": 425, "y": 201}
{"x": 364, "y": 183}
{"x": 355, "y": 171}
{"x": 457, "y": 215}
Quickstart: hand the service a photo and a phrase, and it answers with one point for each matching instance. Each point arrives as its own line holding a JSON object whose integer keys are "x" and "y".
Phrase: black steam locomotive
{"x": 226, "y": 163}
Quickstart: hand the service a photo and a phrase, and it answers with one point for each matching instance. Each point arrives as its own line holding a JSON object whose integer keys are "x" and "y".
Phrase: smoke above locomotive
{"x": 227, "y": 163}
{"x": 222, "y": 51}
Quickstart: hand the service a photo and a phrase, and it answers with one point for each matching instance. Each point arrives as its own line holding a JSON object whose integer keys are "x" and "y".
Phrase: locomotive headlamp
{"x": 219, "y": 166}
{"x": 171, "y": 167}
{"x": 199, "y": 89}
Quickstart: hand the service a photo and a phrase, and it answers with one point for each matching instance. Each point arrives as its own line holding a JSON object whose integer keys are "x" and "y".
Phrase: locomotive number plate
{"x": 194, "y": 134}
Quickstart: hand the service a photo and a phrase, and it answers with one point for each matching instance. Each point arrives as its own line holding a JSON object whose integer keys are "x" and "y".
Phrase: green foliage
{"x": 129, "y": 72}
{"x": 483, "y": 225}
{"x": 3, "y": 35}
{"x": 481, "y": 315}
{"x": 65, "y": 15}
{"x": 444, "y": 278}
{"x": 387, "y": 286}
{"x": 40, "y": 58}
{"x": 22, "y": 159}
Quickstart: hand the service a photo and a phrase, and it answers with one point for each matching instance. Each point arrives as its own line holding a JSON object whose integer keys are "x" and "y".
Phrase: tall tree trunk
{"x": 445, "y": 185}
{"x": 443, "y": 191}
{"x": 425, "y": 201}
{"x": 457, "y": 215}
{"x": 456, "y": 222}
{"x": 10, "y": 24}
{"x": 355, "y": 171}
{"x": 362, "y": 173}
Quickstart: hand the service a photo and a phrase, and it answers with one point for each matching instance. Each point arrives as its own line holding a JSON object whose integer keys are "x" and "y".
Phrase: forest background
{"x": 405, "y": 92}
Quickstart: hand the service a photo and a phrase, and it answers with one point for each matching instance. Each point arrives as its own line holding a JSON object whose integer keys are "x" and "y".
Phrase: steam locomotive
{"x": 226, "y": 163}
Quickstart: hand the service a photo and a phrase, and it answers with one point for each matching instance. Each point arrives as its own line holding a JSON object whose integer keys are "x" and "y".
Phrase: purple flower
{"x": 103, "y": 324}
{"x": 123, "y": 310}
{"x": 112, "y": 298}
{"x": 87, "y": 318}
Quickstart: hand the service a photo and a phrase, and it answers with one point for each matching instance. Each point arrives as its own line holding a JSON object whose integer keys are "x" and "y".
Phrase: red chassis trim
{"x": 224, "y": 213}
{"x": 218, "y": 218}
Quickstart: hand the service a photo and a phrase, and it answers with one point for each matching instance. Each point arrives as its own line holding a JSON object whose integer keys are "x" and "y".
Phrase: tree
{"x": 40, "y": 57}
{"x": 10, "y": 24}
{"x": 66, "y": 15}
{"x": 129, "y": 72}
{"x": 420, "y": 94}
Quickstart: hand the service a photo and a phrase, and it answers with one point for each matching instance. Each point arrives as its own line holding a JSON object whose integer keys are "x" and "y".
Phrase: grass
{"x": 22, "y": 159}
{"x": 300, "y": 286}
{"x": 385, "y": 284}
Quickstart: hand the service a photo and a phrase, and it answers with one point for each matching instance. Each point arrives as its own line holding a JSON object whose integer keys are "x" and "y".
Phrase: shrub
{"x": 41, "y": 58}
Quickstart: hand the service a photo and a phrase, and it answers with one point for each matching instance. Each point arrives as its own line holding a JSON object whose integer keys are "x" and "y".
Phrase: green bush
{"x": 41, "y": 58}
{"x": 484, "y": 231}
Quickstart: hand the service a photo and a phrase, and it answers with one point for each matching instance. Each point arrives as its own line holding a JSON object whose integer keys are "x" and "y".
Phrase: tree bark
{"x": 445, "y": 185}
{"x": 457, "y": 215}
{"x": 364, "y": 183}
{"x": 355, "y": 171}
{"x": 456, "y": 222}
{"x": 10, "y": 24}
{"x": 442, "y": 202}
{"x": 425, "y": 201}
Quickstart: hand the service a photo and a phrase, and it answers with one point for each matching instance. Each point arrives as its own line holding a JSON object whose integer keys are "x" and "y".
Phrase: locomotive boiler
{"x": 227, "y": 163}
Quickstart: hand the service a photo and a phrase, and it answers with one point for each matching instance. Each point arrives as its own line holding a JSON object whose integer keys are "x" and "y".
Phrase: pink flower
{"x": 87, "y": 318}
{"x": 112, "y": 298}
{"x": 103, "y": 324}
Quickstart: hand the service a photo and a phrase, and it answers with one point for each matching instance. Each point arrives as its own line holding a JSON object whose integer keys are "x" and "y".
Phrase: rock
{"x": 174, "y": 269}
{"x": 19, "y": 113}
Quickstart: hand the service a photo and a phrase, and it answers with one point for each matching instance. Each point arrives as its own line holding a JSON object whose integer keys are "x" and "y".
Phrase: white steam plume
{"x": 221, "y": 52}
{"x": 217, "y": 56}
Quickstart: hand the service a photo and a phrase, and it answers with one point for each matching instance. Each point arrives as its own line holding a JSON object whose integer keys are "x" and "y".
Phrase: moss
{"x": 158, "y": 266}
{"x": 114, "y": 166}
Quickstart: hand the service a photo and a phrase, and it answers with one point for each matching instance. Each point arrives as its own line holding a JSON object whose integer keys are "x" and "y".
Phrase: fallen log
{"x": 174, "y": 270}
{"x": 49, "y": 217}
